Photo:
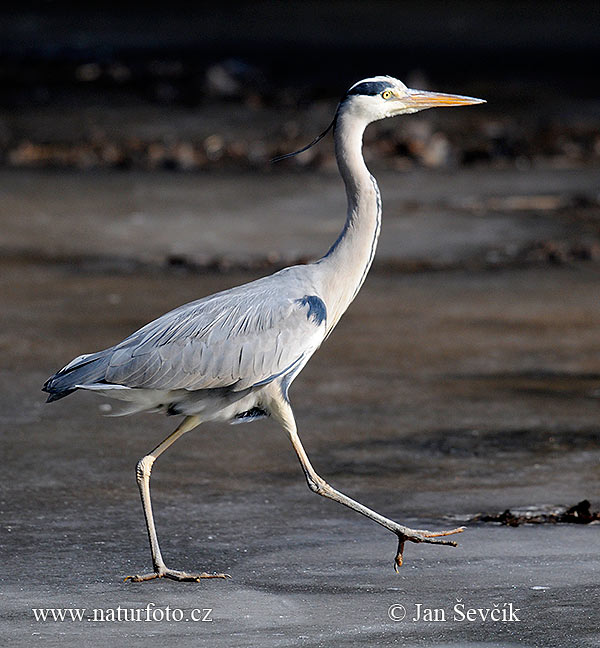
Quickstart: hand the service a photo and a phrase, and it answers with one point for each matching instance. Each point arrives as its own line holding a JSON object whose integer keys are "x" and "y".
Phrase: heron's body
{"x": 243, "y": 349}
{"x": 221, "y": 356}
{"x": 232, "y": 356}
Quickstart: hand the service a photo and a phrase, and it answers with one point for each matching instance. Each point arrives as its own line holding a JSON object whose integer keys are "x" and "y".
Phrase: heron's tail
{"x": 85, "y": 369}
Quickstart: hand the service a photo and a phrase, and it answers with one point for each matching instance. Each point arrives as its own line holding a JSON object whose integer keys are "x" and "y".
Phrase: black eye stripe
{"x": 370, "y": 88}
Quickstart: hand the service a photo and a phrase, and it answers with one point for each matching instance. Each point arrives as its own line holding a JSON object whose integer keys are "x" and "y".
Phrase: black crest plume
{"x": 315, "y": 141}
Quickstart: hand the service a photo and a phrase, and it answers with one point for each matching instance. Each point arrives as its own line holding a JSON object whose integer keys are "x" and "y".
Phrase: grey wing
{"x": 236, "y": 339}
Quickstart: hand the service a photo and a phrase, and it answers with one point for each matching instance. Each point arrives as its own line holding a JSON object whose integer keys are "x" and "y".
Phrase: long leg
{"x": 143, "y": 471}
{"x": 283, "y": 412}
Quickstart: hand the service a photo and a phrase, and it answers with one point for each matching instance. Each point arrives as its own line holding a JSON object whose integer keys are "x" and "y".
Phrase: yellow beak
{"x": 421, "y": 100}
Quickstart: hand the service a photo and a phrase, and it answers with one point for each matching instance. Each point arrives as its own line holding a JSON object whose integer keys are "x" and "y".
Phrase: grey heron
{"x": 232, "y": 356}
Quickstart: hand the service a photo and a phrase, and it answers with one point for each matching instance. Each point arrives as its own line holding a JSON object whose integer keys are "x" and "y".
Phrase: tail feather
{"x": 90, "y": 368}
{"x": 57, "y": 396}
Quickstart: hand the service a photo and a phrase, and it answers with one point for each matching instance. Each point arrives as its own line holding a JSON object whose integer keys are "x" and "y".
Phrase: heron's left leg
{"x": 143, "y": 470}
{"x": 283, "y": 412}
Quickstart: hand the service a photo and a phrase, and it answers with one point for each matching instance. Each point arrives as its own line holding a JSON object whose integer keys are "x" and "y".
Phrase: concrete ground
{"x": 440, "y": 395}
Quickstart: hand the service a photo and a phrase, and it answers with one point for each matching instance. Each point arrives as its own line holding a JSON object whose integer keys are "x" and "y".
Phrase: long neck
{"x": 346, "y": 264}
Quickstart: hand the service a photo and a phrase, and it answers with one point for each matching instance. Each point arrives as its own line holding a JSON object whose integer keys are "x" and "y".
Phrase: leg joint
{"x": 316, "y": 484}
{"x": 144, "y": 467}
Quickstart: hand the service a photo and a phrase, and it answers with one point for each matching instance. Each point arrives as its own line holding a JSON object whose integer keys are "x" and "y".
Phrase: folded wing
{"x": 236, "y": 339}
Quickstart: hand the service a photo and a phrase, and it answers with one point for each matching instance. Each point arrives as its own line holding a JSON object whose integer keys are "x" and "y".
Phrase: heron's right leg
{"x": 283, "y": 412}
{"x": 143, "y": 471}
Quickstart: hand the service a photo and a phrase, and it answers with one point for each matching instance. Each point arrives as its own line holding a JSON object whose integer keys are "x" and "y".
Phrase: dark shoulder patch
{"x": 250, "y": 415}
{"x": 370, "y": 88}
{"x": 317, "y": 311}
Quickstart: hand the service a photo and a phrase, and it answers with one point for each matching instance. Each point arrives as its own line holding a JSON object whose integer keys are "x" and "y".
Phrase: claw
{"x": 398, "y": 558}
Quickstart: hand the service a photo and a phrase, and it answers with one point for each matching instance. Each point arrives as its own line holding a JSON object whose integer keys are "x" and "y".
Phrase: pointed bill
{"x": 421, "y": 99}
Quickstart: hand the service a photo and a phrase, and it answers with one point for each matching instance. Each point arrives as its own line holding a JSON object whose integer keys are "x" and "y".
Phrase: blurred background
{"x": 190, "y": 88}
{"x": 135, "y": 141}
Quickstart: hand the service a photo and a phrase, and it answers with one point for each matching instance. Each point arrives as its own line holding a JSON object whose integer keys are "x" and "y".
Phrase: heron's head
{"x": 383, "y": 96}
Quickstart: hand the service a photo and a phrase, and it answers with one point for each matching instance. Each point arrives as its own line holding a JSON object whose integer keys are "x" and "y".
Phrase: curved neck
{"x": 348, "y": 260}
{"x": 348, "y": 140}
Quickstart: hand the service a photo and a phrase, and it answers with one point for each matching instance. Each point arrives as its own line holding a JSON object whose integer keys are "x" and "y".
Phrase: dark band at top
{"x": 370, "y": 88}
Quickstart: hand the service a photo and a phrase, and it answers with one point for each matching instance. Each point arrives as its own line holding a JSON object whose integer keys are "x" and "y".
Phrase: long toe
{"x": 421, "y": 535}
{"x": 143, "y": 577}
{"x": 441, "y": 534}
{"x": 184, "y": 576}
{"x": 176, "y": 575}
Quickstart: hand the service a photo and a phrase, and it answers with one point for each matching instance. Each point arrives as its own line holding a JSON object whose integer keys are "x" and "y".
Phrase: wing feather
{"x": 240, "y": 338}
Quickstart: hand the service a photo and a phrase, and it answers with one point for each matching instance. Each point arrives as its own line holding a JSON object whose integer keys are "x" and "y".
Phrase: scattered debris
{"x": 580, "y": 513}
{"x": 560, "y": 252}
{"x": 33, "y": 115}
{"x": 222, "y": 264}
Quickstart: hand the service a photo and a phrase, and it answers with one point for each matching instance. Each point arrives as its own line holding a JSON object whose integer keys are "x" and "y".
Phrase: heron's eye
{"x": 387, "y": 94}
